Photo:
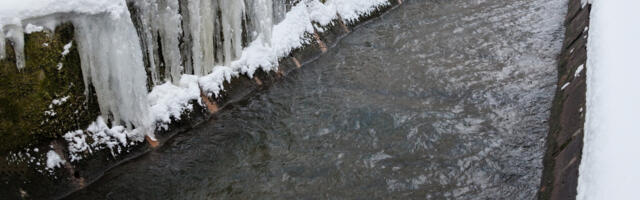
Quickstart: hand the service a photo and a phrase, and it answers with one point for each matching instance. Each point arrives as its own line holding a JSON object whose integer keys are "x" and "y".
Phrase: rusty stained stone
{"x": 295, "y": 61}
{"x": 152, "y": 142}
{"x": 77, "y": 181}
{"x": 279, "y": 73}
{"x": 211, "y": 106}
{"x": 344, "y": 26}
{"x": 323, "y": 47}
{"x": 258, "y": 81}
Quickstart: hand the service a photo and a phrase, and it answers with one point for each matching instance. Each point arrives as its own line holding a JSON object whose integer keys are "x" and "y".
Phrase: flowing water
{"x": 440, "y": 99}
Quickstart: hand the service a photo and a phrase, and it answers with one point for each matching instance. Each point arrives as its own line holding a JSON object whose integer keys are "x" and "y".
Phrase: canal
{"x": 437, "y": 99}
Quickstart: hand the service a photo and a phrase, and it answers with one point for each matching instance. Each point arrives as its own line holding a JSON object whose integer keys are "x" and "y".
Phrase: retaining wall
{"x": 565, "y": 138}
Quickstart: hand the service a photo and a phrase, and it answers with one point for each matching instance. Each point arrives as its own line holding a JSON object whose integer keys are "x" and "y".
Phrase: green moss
{"x": 26, "y": 94}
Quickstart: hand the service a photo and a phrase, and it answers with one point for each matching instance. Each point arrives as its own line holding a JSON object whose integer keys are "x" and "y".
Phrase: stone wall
{"x": 28, "y": 113}
{"x": 565, "y": 139}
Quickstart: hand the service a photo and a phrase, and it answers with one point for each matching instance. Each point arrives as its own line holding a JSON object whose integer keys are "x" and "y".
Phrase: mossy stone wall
{"x": 26, "y": 95}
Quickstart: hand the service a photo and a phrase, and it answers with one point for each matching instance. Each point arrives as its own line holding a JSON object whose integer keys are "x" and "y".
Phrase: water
{"x": 436, "y": 99}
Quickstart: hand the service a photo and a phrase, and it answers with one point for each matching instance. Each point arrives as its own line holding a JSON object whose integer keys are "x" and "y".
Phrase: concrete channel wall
{"x": 22, "y": 181}
{"x": 565, "y": 139}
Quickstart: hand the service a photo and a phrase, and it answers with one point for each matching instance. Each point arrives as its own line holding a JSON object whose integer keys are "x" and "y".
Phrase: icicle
{"x": 147, "y": 37}
{"x": 279, "y": 10}
{"x": 2, "y": 47}
{"x": 202, "y": 15}
{"x": 195, "y": 30}
{"x": 232, "y": 15}
{"x": 161, "y": 22}
{"x": 111, "y": 59}
{"x": 261, "y": 14}
{"x": 15, "y": 34}
{"x": 171, "y": 23}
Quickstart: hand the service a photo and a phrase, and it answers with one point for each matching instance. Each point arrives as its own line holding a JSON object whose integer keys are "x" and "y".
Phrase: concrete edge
{"x": 566, "y": 122}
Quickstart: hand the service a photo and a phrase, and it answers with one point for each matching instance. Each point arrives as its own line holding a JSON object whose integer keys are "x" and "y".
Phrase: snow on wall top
{"x": 13, "y": 11}
{"x": 610, "y": 168}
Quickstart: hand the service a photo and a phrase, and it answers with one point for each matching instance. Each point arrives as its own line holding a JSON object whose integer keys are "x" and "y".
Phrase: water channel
{"x": 437, "y": 99}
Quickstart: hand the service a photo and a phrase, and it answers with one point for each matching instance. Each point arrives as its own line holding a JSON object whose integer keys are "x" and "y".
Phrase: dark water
{"x": 438, "y": 99}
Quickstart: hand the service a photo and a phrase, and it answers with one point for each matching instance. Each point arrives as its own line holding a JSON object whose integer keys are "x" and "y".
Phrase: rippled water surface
{"x": 441, "y": 99}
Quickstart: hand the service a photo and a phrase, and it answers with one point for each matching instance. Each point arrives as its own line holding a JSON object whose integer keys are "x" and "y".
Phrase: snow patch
{"x": 578, "y": 70}
{"x": 53, "y": 160}
{"x": 609, "y": 168}
{"x": 169, "y": 101}
{"x": 565, "y": 85}
{"x": 77, "y": 144}
{"x": 59, "y": 101}
{"x": 352, "y": 10}
{"x": 66, "y": 48}
{"x": 30, "y": 28}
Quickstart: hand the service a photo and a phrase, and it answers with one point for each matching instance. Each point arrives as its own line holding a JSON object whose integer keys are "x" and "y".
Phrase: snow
{"x": 30, "y": 28}
{"x": 351, "y": 10}
{"x": 50, "y": 113}
{"x": 609, "y": 168}
{"x": 77, "y": 144}
{"x": 578, "y": 70}
{"x": 115, "y": 138}
{"x": 565, "y": 86}
{"x": 54, "y": 160}
{"x": 214, "y": 81}
{"x": 59, "y": 101}
{"x": 164, "y": 106}
{"x": 14, "y": 11}
{"x": 66, "y": 48}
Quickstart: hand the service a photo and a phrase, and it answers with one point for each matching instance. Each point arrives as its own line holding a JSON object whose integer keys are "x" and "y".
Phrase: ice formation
{"x": 188, "y": 47}
{"x": 160, "y": 31}
{"x": 111, "y": 60}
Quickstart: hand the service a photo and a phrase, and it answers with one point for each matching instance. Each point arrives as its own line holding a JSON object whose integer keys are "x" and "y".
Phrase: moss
{"x": 26, "y": 94}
